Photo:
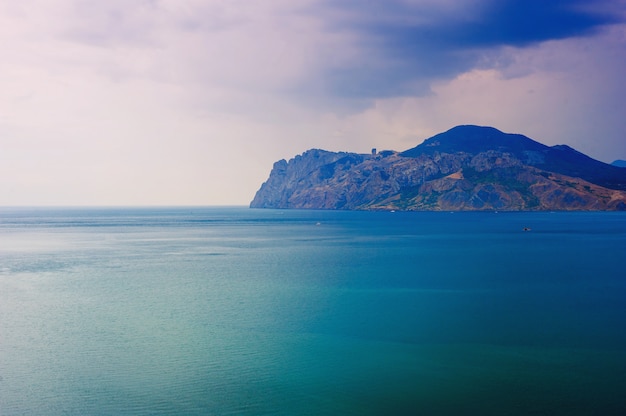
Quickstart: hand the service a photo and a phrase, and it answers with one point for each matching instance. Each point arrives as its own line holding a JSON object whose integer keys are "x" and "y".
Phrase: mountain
{"x": 465, "y": 168}
{"x": 560, "y": 159}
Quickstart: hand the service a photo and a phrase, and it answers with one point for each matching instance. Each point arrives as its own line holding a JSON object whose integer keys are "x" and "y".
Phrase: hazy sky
{"x": 190, "y": 102}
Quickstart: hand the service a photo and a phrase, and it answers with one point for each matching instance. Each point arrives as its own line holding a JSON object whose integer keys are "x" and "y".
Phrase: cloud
{"x": 339, "y": 54}
{"x": 406, "y": 45}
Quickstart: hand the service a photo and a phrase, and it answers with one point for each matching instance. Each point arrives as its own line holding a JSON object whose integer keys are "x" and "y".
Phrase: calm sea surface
{"x": 233, "y": 311}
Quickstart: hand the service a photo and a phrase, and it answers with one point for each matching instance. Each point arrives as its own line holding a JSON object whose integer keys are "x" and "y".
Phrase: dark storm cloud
{"x": 406, "y": 45}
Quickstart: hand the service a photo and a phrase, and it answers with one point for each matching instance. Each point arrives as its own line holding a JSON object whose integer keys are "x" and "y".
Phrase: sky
{"x": 190, "y": 102}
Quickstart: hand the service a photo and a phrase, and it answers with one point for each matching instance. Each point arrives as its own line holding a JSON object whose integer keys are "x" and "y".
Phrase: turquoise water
{"x": 217, "y": 311}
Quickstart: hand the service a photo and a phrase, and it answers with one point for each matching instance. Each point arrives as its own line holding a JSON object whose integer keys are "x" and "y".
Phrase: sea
{"x": 238, "y": 311}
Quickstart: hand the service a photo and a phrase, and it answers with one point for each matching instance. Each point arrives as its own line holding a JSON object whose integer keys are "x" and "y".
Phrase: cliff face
{"x": 466, "y": 168}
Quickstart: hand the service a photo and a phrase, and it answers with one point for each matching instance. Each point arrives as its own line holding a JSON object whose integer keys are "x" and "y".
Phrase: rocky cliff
{"x": 465, "y": 168}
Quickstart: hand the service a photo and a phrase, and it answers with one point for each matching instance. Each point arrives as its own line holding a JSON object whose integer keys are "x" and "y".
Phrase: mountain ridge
{"x": 559, "y": 158}
{"x": 465, "y": 168}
